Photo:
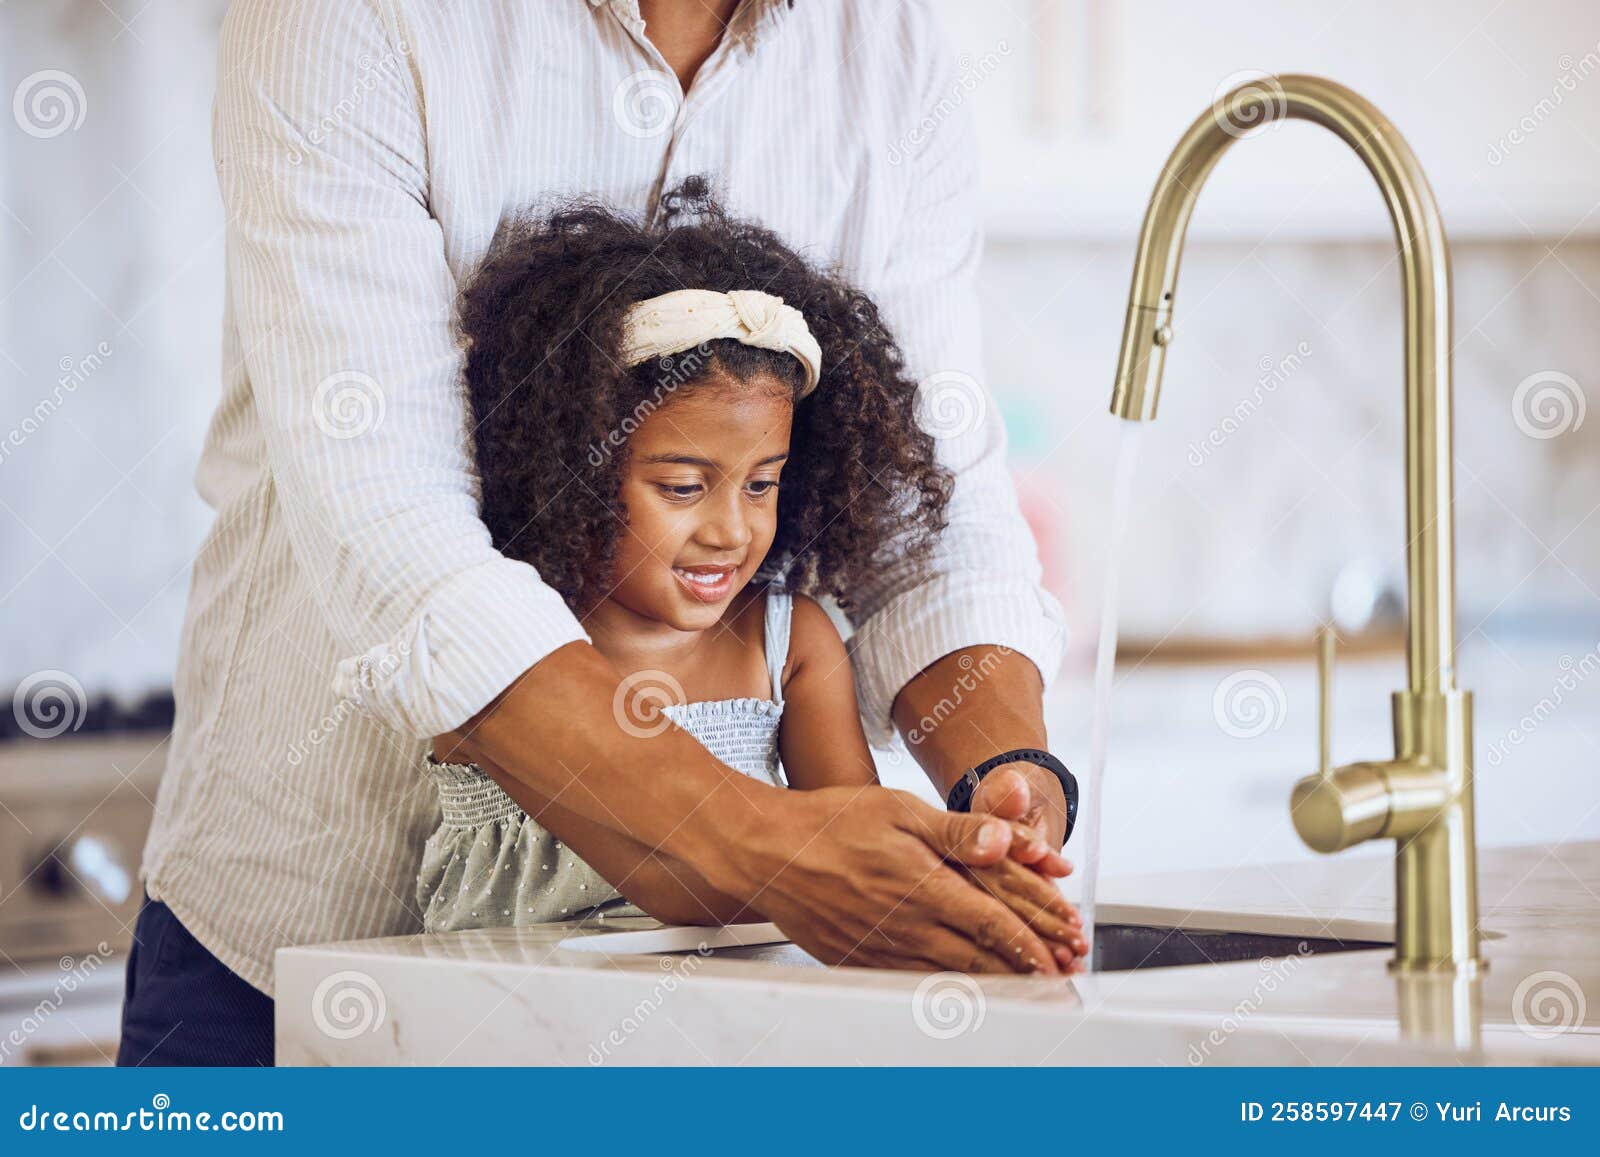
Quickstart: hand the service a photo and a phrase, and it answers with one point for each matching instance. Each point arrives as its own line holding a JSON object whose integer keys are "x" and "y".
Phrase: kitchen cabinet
{"x": 1078, "y": 103}
{"x": 74, "y": 812}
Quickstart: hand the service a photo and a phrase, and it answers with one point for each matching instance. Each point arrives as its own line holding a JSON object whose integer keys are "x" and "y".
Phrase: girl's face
{"x": 700, "y": 486}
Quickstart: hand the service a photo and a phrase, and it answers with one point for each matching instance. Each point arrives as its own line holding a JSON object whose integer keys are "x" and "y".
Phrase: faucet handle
{"x": 1326, "y": 639}
{"x": 1339, "y": 807}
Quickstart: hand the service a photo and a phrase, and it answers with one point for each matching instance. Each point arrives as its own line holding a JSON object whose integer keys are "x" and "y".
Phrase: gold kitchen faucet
{"x": 1422, "y": 798}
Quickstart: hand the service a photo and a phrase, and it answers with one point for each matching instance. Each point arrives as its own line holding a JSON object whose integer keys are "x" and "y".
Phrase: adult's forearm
{"x": 968, "y": 706}
{"x": 666, "y": 888}
{"x": 556, "y": 730}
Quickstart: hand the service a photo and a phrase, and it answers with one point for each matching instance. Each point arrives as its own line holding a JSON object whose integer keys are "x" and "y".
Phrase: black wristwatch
{"x": 960, "y": 798}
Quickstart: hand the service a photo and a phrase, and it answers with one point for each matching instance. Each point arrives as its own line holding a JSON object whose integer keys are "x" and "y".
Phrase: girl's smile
{"x": 709, "y": 584}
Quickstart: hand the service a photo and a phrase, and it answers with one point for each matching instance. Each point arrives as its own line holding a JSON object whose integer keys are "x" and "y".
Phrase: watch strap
{"x": 960, "y": 797}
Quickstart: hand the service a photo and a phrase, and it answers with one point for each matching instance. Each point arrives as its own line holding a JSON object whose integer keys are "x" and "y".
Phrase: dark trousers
{"x": 183, "y": 1006}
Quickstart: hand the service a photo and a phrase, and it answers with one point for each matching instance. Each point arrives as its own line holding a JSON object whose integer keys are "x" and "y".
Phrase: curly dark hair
{"x": 551, "y": 403}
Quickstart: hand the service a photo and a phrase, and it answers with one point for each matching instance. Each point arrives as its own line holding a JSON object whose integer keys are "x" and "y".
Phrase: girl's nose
{"x": 725, "y": 526}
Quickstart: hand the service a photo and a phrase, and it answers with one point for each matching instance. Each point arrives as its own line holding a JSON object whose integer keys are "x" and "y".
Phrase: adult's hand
{"x": 874, "y": 876}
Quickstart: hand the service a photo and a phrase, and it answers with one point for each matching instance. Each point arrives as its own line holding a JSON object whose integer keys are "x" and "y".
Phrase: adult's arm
{"x": 344, "y": 305}
{"x": 344, "y": 301}
{"x": 980, "y": 607}
{"x": 666, "y": 888}
{"x": 859, "y": 875}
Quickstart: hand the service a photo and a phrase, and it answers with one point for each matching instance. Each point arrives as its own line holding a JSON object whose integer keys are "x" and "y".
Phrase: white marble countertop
{"x": 510, "y": 996}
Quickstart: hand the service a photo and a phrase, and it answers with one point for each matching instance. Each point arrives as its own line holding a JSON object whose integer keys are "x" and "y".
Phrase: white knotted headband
{"x": 685, "y": 318}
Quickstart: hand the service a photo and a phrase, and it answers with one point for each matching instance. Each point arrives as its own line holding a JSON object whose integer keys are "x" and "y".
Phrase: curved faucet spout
{"x": 1422, "y": 798}
{"x": 1425, "y": 270}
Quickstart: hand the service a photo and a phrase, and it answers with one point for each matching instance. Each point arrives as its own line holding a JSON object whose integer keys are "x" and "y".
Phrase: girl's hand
{"x": 1035, "y": 899}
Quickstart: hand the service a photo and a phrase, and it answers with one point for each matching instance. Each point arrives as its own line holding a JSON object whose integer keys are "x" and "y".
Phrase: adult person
{"x": 347, "y": 605}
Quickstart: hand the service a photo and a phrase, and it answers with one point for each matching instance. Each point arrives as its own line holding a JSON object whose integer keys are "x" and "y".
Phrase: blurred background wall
{"x": 1250, "y": 518}
{"x": 110, "y": 303}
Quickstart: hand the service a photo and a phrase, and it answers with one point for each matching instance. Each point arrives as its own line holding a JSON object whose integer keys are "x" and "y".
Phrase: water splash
{"x": 1105, "y": 663}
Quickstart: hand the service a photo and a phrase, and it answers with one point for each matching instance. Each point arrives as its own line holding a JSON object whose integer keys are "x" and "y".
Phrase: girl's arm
{"x": 821, "y": 739}
{"x": 664, "y": 887}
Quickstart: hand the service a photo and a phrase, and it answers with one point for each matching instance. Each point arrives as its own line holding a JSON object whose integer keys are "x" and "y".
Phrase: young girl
{"x": 689, "y": 432}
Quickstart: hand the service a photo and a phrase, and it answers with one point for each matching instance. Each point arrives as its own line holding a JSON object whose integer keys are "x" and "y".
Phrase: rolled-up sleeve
{"x": 984, "y": 582}
{"x": 344, "y": 304}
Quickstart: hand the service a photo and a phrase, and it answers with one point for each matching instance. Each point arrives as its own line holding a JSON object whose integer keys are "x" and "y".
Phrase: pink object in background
{"x": 1048, "y": 521}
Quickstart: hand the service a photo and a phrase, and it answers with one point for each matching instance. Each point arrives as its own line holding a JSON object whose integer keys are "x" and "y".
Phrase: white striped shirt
{"x": 347, "y": 605}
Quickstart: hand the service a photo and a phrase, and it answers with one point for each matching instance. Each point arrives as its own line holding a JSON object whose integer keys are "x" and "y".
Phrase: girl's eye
{"x": 681, "y": 491}
{"x": 760, "y": 488}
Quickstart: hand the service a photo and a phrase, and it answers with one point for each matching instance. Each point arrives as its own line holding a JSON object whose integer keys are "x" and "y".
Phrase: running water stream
{"x": 1105, "y": 664}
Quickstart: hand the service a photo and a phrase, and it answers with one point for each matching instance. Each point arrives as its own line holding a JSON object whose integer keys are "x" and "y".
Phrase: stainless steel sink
{"x": 1120, "y": 947}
